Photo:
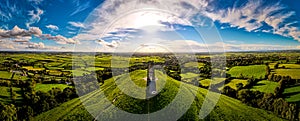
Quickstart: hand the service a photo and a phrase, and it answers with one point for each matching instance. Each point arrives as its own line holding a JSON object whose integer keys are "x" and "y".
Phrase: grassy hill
{"x": 106, "y": 108}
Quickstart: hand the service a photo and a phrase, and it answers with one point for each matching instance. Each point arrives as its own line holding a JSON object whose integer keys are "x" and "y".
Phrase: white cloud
{"x": 39, "y": 45}
{"x": 35, "y": 16}
{"x": 59, "y": 39}
{"x": 77, "y": 24}
{"x": 52, "y": 27}
{"x": 18, "y": 33}
{"x": 113, "y": 44}
{"x": 21, "y": 35}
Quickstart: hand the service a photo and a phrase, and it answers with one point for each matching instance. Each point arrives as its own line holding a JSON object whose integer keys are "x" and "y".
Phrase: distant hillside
{"x": 226, "y": 109}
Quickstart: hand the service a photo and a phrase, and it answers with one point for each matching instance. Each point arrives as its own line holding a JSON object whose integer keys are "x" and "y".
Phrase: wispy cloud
{"x": 254, "y": 14}
{"x": 35, "y": 16}
{"x": 8, "y": 10}
{"x": 77, "y": 24}
{"x": 80, "y": 7}
{"x": 36, "y": 1}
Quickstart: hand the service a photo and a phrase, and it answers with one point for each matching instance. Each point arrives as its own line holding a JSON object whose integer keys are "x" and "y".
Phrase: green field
{"x": 194, "y": 64}
{"x": 292, "y": 94}
{"x": 265, "y": 86}
{"x": 206, "y": 82}
{"x": 256, "y": 71}
{"x": 47, "y": 87}
{"x": 226, "y": 108}
{"x": 78, "y": 72}
{"x": 234, "y": 82}
{"x": 188, "y": 75}
{"x": 293, "y": 73}
{"x": 5, "y": 74}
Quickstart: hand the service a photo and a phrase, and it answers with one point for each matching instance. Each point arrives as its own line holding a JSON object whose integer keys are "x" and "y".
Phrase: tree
{"x": 270, "y": 77}
{"x": 276, "y": 66}
{"x": 8, "y": 112}
{"x": 25, "y": 113}
{"x": 227, "y": 90}
{"x": 239, "y": 86}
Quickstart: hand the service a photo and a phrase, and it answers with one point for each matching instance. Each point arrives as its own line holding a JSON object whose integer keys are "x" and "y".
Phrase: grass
{"x": 293, "y": 73}
{"x": 96, "y": 104}
{"x": 265, "y": 86}
{"x": 234, "y": 82}
{"x": 256, "y": 71}
{"x": 47, "y": 87}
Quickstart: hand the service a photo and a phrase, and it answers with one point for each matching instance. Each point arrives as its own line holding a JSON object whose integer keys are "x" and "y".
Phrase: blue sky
{"x": 96, "y": 25}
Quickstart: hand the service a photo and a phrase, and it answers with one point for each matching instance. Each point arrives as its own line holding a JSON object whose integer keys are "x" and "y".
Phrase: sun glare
{"x": 148, "y": 19}
{"x": 151, "y": 49}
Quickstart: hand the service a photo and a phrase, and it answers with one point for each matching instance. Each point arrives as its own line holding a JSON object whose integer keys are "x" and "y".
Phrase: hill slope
{"x": 226, "y": 109}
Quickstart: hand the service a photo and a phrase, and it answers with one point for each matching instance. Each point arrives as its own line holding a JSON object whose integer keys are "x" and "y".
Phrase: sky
{"x": 149, "y": 25}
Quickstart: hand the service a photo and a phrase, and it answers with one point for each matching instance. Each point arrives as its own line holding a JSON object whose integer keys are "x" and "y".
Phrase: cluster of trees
{"x": 86, "y": 83}
{"x": 266, "y": 101}
{"x": 8, "y": 112}
{"x": 269, "y": 102}
{"x": 43, "y": 101}
{"x": 35, "y": 103}
{"x": 243, "y": 60}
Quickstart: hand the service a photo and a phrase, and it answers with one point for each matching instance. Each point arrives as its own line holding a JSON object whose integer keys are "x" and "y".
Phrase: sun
{"x": 143, "y": 19}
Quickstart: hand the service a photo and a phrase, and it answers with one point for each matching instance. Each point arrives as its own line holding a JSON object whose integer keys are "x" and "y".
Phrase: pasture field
{"x": 5, "y": 74}
{"x": 265, "y": 86}
{"x": 47, "y": 87}
{"x": 256, "y": 71}
{"x": 292, "y": 94}
{"x": 271, "y": 65}
{"x": 194, "y": 64}
{"x": 225, "y": 110}
{"x": 234, "y": 82}
{"x": 78, "y": 72}
{"x": 207, "y": 82}
{"x": 30, "y": 68}
{"x": 188, "y": 75}
{"x": 293, "y": 73}
{"x": 290, "y": 66}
